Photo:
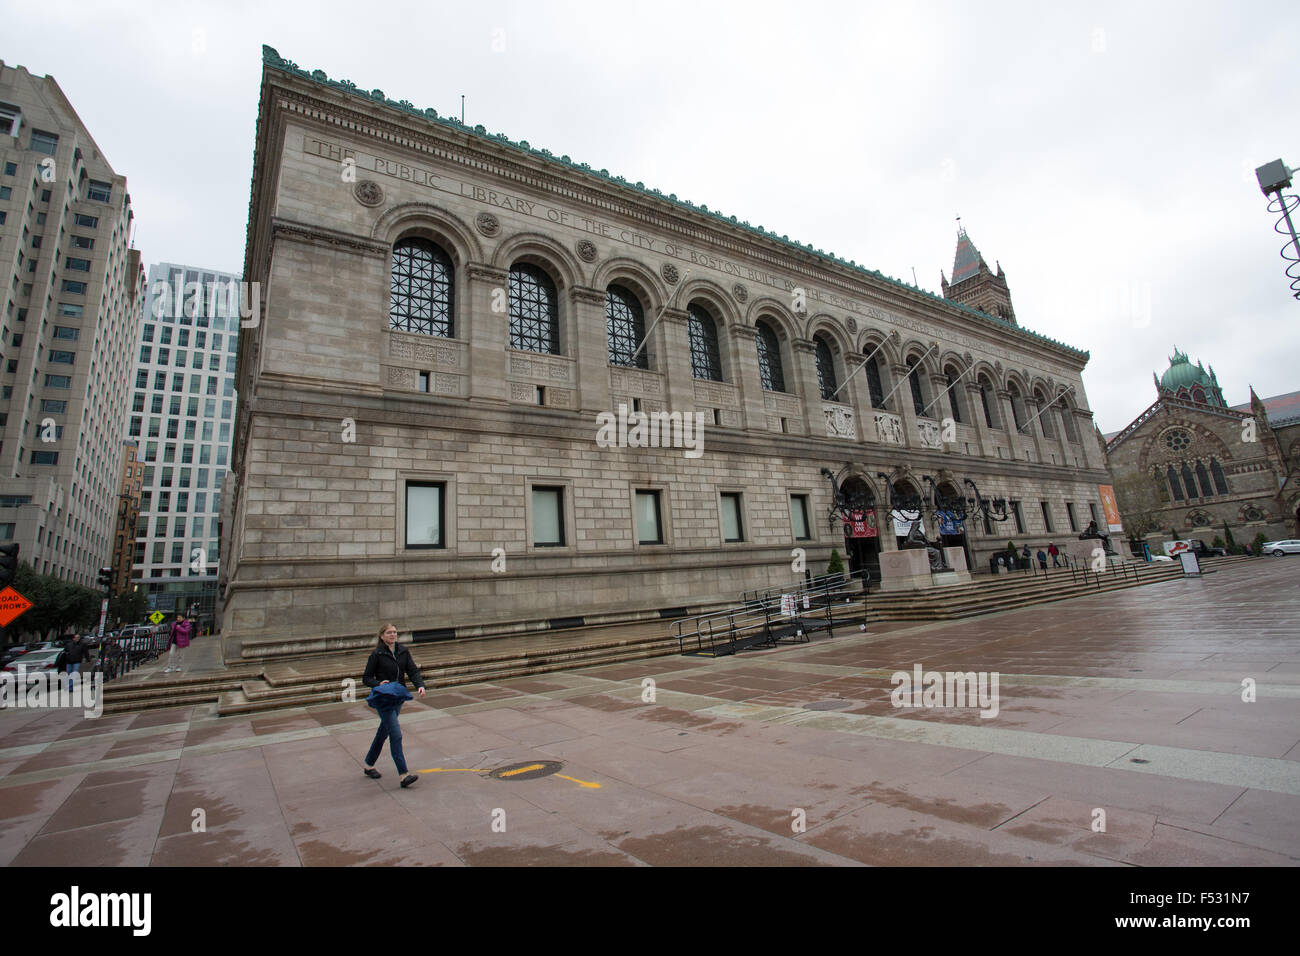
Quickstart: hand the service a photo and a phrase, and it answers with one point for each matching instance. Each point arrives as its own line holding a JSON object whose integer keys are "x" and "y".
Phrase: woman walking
{"x": 178, "y": 639}
{"x": 389, "y": 663}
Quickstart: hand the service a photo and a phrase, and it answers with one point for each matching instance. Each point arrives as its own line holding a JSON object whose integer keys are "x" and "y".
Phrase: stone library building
{"x": 459, "y": 342}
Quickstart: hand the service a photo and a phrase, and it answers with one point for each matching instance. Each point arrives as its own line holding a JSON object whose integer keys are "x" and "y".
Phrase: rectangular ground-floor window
{"x": 799, "y": 517}
{"x": 424, "y": 514}
{"x": 733, "y": 528}
{"x": 1069, "y": 513}
{"x": 1020, "y": 517}
{"x": 649, "y": 522}
{"x": 1093, "y": 509}
{"x": 548, "y": 517}
{"x": 1047, "y": 516}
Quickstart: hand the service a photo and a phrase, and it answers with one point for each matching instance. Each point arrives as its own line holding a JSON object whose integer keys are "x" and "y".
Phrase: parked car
{"x": 37, "y": 661}
{"x": 1279, "y": 548}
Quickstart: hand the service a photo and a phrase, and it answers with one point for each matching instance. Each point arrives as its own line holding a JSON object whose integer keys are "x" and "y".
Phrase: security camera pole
{"x": 1273, "y": 178}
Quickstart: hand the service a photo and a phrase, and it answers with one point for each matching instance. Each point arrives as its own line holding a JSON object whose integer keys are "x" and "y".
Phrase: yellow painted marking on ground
{"x": 581, "y": 783}
{"x": 454, "y": 770}
{"x": 511, "y": 773}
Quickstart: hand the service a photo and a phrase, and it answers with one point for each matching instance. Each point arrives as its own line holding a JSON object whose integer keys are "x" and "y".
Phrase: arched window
{"x": 1067, "y": 421}
{"x": 706, "y": 362}
{"x": 954, "y": 399}
{"x": 986, "y": 389}
{"x": 1203, "y": 477}
{"x": 1017, "y": 407}
{"x": 1044, "y": 414}
{"x": 534, "y": 314}
{"x": 1174, "y": 486}
{"x": 1189, "y": 483}
{"x": 914, "y": 380}
{"x": 625, "y": 325}
{"x": 874, "y": 386}
{"x": 1198, "y": 394}
{"x": 1220, "y": 480}
{"x": 825, "y": 370}
{"x": 769, "y": 358}
{"x": 421, "y": 289}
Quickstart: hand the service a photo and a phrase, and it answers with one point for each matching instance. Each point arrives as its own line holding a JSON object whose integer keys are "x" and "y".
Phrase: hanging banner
{"x": 861, "y": 524}
{"x": 903, "y": 521}
{"x": 1110, "y": 508}
{"x": 949, "y": 523}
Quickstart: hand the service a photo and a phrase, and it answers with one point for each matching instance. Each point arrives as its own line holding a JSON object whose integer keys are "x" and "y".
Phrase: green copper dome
{"x": 1182, "y": 374}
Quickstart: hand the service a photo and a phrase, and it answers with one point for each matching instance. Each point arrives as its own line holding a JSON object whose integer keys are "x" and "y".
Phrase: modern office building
{"x": 454, "y": 328}
{"x": 182, "y": 410}
{"x": 72, "y": 296}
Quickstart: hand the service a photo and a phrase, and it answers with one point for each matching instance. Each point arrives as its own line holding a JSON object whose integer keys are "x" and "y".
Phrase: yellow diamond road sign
{"x": 157, "y": 616}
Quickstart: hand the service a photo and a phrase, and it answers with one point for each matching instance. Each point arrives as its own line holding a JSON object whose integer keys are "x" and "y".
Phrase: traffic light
{"x": 105, "y": 577}
{"x": 8, "y": 563}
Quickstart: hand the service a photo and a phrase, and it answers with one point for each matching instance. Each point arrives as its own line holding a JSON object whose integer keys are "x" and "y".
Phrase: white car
{"x": 1279, "y": 548}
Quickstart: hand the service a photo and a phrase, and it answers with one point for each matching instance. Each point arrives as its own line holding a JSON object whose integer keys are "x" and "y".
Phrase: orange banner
{"x": 1110, "y": 508}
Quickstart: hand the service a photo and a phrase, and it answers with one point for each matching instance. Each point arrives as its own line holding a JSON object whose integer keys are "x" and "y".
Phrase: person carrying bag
{"x": 389, "y": 664}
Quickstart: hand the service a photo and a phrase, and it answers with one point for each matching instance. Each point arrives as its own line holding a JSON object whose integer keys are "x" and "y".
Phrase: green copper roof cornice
{"x": 273, "y": 59}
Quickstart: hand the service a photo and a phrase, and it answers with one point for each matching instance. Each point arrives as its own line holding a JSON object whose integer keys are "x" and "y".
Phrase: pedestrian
{"x": 179, "y": 638}
{"x": 1025, "y": 558}
{"x": 1054, "y": 551}
{"x": 389, "y": 664}
{"x": 74, "y": 652}
{"x": 1042, "y": 559}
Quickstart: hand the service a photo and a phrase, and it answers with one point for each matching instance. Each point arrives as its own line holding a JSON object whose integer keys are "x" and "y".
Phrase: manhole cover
{"x": 528, "y": 770}
{"x": 828, "y": 705}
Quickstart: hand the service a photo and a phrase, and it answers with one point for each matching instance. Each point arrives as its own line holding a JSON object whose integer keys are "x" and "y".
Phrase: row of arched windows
{"x": 422, "y": 301}
{"x": 1184, "y": 480}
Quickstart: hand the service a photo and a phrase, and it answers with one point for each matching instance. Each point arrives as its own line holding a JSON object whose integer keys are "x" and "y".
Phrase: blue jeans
{"x": 73, "y": 670}
{"x": 391, "y": 731}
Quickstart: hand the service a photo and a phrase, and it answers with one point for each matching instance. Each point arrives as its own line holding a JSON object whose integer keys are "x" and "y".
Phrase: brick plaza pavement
{"x": 1128, "y": 703}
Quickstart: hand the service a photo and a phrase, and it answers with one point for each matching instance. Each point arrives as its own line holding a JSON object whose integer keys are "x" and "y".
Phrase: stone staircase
{"x": 321, "y": 678}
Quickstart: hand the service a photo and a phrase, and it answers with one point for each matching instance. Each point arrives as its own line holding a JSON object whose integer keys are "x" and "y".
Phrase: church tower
{"x": 974, "y": 284}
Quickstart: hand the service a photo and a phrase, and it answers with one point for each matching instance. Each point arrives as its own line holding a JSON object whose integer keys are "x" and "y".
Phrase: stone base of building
{"x": 909, "y": 570}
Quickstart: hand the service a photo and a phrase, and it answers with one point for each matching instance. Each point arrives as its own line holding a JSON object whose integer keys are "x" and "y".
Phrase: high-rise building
{"x": 72, "y": 294}
{"x": 182, "y": 408}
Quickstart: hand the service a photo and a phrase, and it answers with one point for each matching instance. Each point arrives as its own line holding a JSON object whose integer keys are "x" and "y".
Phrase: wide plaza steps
{"x": 320, "y": 679}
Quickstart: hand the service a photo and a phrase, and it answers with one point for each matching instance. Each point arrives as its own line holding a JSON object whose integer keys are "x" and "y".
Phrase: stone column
{"x": 902, "y": 400}
{"x": 488, "y": 333}
{"x": 588, "y": 344}
{"x": 745, "y": 376}
{"x": 673, "y": 359}
{"x": 976, "y": 407}
{"x": 805, "y": 372}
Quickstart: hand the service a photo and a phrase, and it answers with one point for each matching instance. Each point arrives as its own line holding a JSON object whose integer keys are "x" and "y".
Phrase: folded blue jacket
{"x": 385, "y": 695}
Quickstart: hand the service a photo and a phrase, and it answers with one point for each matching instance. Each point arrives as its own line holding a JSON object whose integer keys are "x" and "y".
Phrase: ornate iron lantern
{"x": 995, "y": 509}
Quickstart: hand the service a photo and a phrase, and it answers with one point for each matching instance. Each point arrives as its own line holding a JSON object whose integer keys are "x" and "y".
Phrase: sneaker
{"x": 372, "y": 773}
{"x": 409, "y": 779}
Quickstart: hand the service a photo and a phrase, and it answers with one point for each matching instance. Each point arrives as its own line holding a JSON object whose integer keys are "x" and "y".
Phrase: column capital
{"x": 582, "y": 293}
{"x": 482, "y": 272}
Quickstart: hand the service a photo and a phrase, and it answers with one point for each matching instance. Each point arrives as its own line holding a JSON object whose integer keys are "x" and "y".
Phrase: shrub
{"x": 836, "y": 565}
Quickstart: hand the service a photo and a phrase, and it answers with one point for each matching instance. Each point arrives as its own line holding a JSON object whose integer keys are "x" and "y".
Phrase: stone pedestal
{"x": 905, "y": 570}
{"x": 959, "y": 573}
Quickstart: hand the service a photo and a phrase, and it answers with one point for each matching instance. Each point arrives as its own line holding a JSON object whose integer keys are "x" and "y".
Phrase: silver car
{"x": 1279, "y": 548}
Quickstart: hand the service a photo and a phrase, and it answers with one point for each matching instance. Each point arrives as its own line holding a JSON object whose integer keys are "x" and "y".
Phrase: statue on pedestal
{"x": 1092, "y": 532}
{"x": 916, "y": 539}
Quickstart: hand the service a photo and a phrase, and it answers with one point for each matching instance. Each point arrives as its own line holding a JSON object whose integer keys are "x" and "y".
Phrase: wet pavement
{"x": 1119, "y": 736}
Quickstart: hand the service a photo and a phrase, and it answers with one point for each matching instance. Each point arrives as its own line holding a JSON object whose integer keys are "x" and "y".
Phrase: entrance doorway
{"x": 863, "y": 552}
{"x": 952, "y": 533}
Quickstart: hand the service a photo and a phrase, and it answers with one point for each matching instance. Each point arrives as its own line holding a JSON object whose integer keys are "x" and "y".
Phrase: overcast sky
{"x": 1105, "y": 154}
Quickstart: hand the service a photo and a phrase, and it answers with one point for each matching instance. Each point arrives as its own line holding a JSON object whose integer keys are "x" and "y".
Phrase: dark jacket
{"x": 391, "y": 665}
{"x": 74, "y": 652}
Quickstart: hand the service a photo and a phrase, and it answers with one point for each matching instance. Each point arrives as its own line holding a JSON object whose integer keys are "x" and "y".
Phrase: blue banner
{"x": 948, "y": 523}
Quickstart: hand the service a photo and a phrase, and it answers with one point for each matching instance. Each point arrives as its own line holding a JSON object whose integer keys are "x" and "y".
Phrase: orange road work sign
{"x": 12, "y": 604}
